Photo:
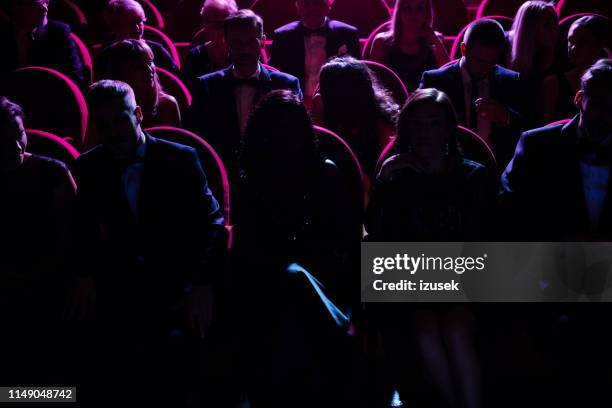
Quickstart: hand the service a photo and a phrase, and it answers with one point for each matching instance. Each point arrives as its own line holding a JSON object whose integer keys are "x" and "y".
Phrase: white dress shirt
{"x": 245, "y": 96}
{"x": 483, "y": 127}
{"x": 132, "y": 180}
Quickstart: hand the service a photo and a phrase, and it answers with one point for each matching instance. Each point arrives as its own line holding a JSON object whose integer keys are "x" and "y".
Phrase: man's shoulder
{"x": 340, "y": 27}
{"x": 57, "y": 28}
{"x": 169, "y": 150}
{"x": 546, "y": 138}
{"x": 282, "y": 78}
{"x": 287, "y": 29}
{"x": 507, "y": 73}
{"x": 212, "y": 78}
{"x": 442, "y": 73}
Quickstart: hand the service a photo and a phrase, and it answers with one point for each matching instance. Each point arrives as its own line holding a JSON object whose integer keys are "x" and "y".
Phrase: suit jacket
{"x": 213, "y": 114}
{"x": 542, "y": 189}
{"x": 178, "y": 236}
{"x": 289, "y": 55}
{"x": 51, "y": 47}
{"x": 505, "y": 86}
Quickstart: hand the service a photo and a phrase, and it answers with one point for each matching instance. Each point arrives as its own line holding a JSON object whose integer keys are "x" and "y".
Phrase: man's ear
{"x": 578, "y": 99}
{"x": 463, "y": 49}
{"x": 139, "y": 115}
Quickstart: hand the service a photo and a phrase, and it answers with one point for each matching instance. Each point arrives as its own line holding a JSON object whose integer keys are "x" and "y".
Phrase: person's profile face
{"x": 547, "y": 31}
{"x": 583, "y": 48}
{"x": 481, "y": 60}
{"x": 313, "y": 12}
{"x": 116, "y": 125}
{"x": 413, "y": 13}
{"x": 129, "y": 25}
{"x": 13, "y": 142}
{"x": 428, "y": 131}
{"x": 140, "y": 73}
{"x": 243, "y": 44}
{"x": 29, "y": 14}
{"x": 596, "y": 112}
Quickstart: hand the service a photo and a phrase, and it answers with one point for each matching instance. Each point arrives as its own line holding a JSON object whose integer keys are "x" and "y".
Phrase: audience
{"x": 222, "y": 100}
{"x": 429, "y": 192}
{"x": 587, "y": 40}
{"x": 31, "y": 39}
{"x": 556, "y": 186}
{"x": 293, "y": 233}
{"x": 210, "y": 56}
{"x": 126, "y": 21}
{"x": 151, "y": 244}
{"x": 487, "y": 97}
{"x": 35, "y": 210}
{"x": 410, "y": 47}
{"x": 533, "y": 40}
{"x": 352, "y": 104}
{"x": 131, "y": 61}
{"x": 300, "y": 48}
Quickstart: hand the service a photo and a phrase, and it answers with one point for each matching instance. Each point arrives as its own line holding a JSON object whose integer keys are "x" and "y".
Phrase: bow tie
{"x": 253, "y": 82}
{"x": 317, "y": 31}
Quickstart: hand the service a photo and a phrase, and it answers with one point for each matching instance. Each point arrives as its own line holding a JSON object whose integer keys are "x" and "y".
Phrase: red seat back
{"x": 172, "y": 85}
{"x": 389, "y": 79}
{"x": 367, "y": 47}
{"x": 154, "y": 34}
{"x": 68, "y": 12}
{"x": 47, "y": 144}
{"x": 450, "y": 16}
{"x": 332, "y": 147}
{"x": 50, "y": 100}
{"x": 506, "y": 8}
{"x": 210, "y": 160}
{"x": 275, "y": 13}
{"x": 85, "y": 56}
{"x": 154, "y": 16}
{"x": 568, "y": 7}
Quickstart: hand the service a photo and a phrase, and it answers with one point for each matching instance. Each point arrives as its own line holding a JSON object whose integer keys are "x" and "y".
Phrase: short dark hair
{"x": 9, "y": 111}
{"x": 599, "y": 76}
{"x": 244, "y": 17}
{"x": 485, "y": 32}
{"x": 103, "y": 92}
{"x": 599, "y": 26}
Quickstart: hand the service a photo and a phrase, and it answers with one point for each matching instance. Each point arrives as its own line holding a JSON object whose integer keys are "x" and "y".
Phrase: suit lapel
{"x": 458, "y": 91}
{"x": 229, "y": 101}
{"x": 265, "y": 84}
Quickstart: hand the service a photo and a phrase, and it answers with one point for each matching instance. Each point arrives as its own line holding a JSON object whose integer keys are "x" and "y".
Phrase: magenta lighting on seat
{"x": 155, "y": 34}
{"x": 155, "y": 17}
{"x": 175, "y": 87}
{"x": 390, "y": 80}
{"x": 85, "y": 56}
{"x": 569, "y": 7}
{"x": 559, "y": 122}
{"x": 47, "y": 144}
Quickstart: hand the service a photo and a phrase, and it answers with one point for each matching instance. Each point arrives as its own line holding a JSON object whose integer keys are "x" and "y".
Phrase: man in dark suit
{"x": 302, "y": 47}
{"x": 30, "y": 39}
{"x": 126, "y": 20}
{"x": 223, "y": 100}
{"x": 151, "y": 241}
{"x": 557, "y": 186}
{"x": 485, "y": 95}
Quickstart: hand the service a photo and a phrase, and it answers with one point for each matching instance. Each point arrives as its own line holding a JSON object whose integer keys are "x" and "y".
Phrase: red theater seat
{"x": 332, "y": 147}
{"x": 172, "y": 85}
{"x": 68, "y": 12}
{"x": 50, "y": 100}
{"x": 154, "y": 34}
{"x": 568, "y": 7}
{"x": 210, "y": 160}
{"x": 389, "y": 79}
{"x": 450, "y": 16}
{"x": 275, "y": 13}
{"x": 366, "y": 15}
{"x": 559, "y": 122}
{"x": 367, "y": 47}
{"x": 47, "y": 144}
{"x": 506, "y": 8}
{"x": 85, "y": 56}
{"x": 472, "y": 145}
{"x": 154, "y": 16}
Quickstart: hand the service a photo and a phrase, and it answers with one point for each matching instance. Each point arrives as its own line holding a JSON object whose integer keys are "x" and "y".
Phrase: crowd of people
{"x": 123, "y": 275}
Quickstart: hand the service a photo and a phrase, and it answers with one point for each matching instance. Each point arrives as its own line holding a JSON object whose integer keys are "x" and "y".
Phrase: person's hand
{"x": 81, "y": 300}
{"x": 200, "y": 309}
{"x": 492, "y": 110}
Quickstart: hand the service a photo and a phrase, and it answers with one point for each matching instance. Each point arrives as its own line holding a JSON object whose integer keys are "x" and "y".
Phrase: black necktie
{"x": 253, "y": 82}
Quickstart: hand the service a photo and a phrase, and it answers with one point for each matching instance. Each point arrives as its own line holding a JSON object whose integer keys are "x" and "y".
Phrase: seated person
{"x": 586, "y": 43}
{"x": 294, "y": 230}
{"x": 557, "y": 186}
{"x": 151, "y": 249}
{"x": 533, "y": 40}
{"x": 35, "y": 210}
{"x": 31, "y": 39}
{"x": 429, "y": 192}
{"x": 131, "y": 61}
{"x": 410, "y": 46}
{"x": 352, "y": 104}
{"x": 486, "y": 96}
{"x": 212, "y": 55}
{"x": 223, "y": 100}
{"x": 302, "y": 47}
{"x": 126, "y": 20}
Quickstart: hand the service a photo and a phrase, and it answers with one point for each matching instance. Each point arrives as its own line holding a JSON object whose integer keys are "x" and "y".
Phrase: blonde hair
{"x": 525, "y": 28}
{"x": 396, "y": 20}
{"x": 117, "y": 7}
